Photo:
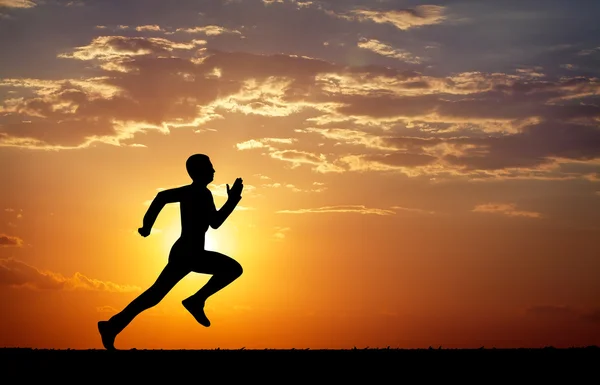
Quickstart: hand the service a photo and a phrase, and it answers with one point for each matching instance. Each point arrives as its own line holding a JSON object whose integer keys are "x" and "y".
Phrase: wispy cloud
{"x": 263, "y": 143}
{"x": 356, "y": 209}
{"x": 402, "y": 19}
{"x": 15, "y": 273}
{"x": 210, "y": 30}
{"x": 387, "y": 50}
{"x": 298, "y": 158}
{"x": 508, "y": 209}
{"x": 109, "y": 48}
{"x": 413, "y": 210}
{"x": 150, "y": 27}
{"x": 521, "y": 125}
{"x": 17, "y": 3}
{"x": 280, "y": 232}
{"x": 10, "y": 241}
{"x": 106, "y": 309}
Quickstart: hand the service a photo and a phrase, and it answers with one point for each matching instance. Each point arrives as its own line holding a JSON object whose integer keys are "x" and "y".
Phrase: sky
{"x": 415, "y": 173}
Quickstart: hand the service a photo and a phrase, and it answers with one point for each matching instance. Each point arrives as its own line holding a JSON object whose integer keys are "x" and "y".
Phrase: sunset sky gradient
{"x": 416, "y": 174}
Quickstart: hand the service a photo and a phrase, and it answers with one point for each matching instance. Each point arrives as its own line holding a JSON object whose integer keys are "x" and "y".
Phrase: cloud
{"x": 10, "y": 240}
{"x": 472, "y": 124}
{"x": 280, "y": 232}
{"x": 384, "y": 49}
{"x": 316, "y": 187}
{"x": 15, "y": 273}
{"x": 106, "y": 309}
{"x": 149, "y": 27}
{"x": 18, "y": 213}
{"x": 210, "y": 30}
{"x": 357, "y": 209}
{"x": 243, "y": 208}
{"x": 17, "y": 3}
{"x": 508, "y": 209}
{"x": 350, "y": 137}
{"x": 412, "y": 210}
{"x": 263, "y": 143}
{"x": 587, "y": 52}
{"x": 107, "y": 48}
{"x": 298, "y": 158}
{"x": 402, "y": 19}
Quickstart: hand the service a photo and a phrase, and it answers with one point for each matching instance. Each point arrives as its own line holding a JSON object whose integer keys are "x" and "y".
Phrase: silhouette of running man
{"x": 187, "y": 254}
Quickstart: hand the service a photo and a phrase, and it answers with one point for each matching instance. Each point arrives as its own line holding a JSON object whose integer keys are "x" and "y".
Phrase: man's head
{"x": 200, "y": 168}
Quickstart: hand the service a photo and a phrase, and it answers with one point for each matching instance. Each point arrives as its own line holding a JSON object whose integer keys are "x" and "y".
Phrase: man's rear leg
{"x": 168, "y": 278}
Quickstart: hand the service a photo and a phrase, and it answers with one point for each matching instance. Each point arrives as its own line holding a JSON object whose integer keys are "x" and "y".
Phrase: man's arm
{"x": 234, "y": 196}
{"x": 161, "y": 199}
{"x": 221, "y": 215}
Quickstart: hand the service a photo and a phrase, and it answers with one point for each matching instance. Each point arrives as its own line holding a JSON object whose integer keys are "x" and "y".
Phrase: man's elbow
{"x": 160, "y": 199}
{"x": 215, "y": 224}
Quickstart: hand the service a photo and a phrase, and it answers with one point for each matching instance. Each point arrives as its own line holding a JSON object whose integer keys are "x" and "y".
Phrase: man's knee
{"x": 235, "y": 269}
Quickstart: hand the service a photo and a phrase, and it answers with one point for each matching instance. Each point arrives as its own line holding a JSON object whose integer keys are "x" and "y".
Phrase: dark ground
{"x": 574, "y": 365}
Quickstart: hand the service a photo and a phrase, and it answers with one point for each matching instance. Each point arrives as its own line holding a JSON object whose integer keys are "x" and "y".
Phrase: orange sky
{"x": 404, "y": 186}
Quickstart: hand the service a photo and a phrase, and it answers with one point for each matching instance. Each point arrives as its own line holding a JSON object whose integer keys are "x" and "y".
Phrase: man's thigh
{"x": 211, "y": 262}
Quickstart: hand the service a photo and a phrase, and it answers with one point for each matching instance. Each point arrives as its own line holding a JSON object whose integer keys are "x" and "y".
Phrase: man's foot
{"x": 196, "y": 308}
{"x": 107, "y": 334}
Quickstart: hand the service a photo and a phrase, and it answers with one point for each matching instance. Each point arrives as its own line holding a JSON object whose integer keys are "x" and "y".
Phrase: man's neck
{"x": 199, "y": 185}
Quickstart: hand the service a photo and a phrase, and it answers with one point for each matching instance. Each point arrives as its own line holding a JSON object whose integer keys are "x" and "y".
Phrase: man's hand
{"x": 236, "y": 189}
{"x": 144, "y": 232}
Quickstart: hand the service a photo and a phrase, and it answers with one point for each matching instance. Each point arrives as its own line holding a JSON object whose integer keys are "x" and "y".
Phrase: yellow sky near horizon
{"x": 397, "y": 193}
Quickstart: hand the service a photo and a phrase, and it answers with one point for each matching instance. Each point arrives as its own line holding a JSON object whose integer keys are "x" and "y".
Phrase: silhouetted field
{"x": 304, "y": 364}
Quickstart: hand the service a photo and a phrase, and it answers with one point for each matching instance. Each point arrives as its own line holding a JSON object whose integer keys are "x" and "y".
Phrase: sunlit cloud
{"x": 351, "y": 137}
{"x": 316, "y": 187}
{"x": 263, "y": 143}
{"x": 356, "y": 209}
{"x": 413, "y": 210}
{"x": 297, "y": 158}
{"x": 210, "y": 30}
{"x": 473, "y": 124}
{"x": 10, "y": 241}
{"x": 402, "y": 19}
{"x": 508, "y": 209}
{"x": 106, "y": 309}
{"x": 302, "y": 4}
{"x": 280, "y": 232}
{"x": 15, "y": 273}
{"x": 17, "y": 3}
{"x": 154, "y": 27}
{"x": 109, "y": 48}
{"x": 387, "y": 50}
